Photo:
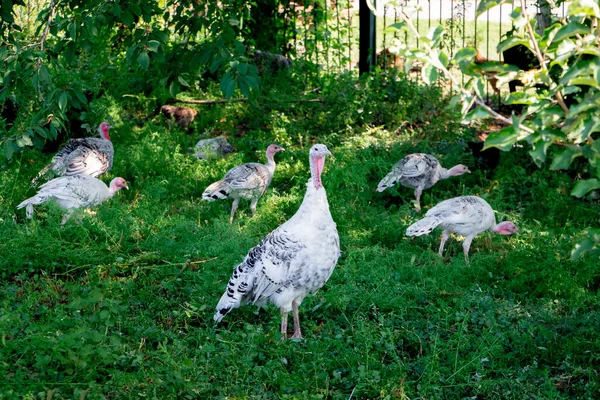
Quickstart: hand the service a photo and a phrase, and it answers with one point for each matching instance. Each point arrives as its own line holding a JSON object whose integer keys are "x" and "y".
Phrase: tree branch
{"x": 478, "y": 100}
{"x": 538, "y": 54}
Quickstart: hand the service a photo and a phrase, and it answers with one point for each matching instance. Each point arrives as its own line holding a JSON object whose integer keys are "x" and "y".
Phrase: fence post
{"x": 366, "y": 37}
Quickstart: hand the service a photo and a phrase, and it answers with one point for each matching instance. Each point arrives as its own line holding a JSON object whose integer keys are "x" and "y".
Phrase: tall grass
{"x": 121, "y": 304}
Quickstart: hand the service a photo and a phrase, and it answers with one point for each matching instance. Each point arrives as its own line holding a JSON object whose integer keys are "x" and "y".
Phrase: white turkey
{"x": 294, "y": 260}
{"x": 419, "y": 171}
{"x": 465, "y": 215}
{"x": 87, "y": 156}
{"x": 73, "y": 192}
{"x": 246, "y": 181}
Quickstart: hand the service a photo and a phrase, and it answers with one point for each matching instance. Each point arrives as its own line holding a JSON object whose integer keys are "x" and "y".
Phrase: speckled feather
{"x": 88, "y": 156}
{"x": 465, "y": 215}
{"x": 77, "y": 191}
{"x": 415, "y": 170}
{"x": 294, "y": 260}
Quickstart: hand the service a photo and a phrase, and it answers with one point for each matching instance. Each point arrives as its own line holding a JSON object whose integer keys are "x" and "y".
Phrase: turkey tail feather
{"x": 237, "y": 288}
{"x": 390, "y": 180}
{"x": 423, "y": 226}
{"x": 217, "y": 190}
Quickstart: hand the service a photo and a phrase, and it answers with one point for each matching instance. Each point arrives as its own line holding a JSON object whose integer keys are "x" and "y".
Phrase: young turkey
{"x": 87, "y": 156}
{"x": 246, "y": 181}
{"x": 294, "y": 260}
{"x": 419, "y": 171}
{"x": 72, "y": 192}
{"x": 182, "y": 115}
{"x": 466, "y": 215}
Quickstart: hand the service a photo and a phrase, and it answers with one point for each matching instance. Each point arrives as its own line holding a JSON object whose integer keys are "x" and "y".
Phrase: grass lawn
{"x": 121, "y": 305}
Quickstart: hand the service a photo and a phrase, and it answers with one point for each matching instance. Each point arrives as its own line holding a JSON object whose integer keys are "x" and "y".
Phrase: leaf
{"x": 466, "y": 54}
{"x": 228, "y": 85}
{"x": 584, "y": 186}
{"x": 571, "y": 29}
{"x": 183, "y": 81}
{"x": 485, "y": 5}
{"x": 478, "y": 113}
{"x": 566, "y": 48}
{"x": 512, "y": 42}
{"x": 503, "y": 139}
{"x": 127, "y": 19}
{"x": 62, "y": 101}
{"x": 585, "y": 8}
{"x": 429, "y": 73}
{"x": 581, "y": 248}
{"x": 144, "y": 60}
{"x": 153, "y": 45}
{"x": 563, "y": 159}
{"x": 8, "y": 149}
{"x": 174, "y": 88}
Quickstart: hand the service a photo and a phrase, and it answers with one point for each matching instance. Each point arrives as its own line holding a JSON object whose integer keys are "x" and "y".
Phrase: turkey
{"x": 246, "y": 181}
{"x": 182, "y": 115}
{"x": 465, "y": 215}
{"x": 294, "y": 260}
{"x": 419, "y": 171}
{"x": 87, "y": 156}
{"x": 72, "y": 192}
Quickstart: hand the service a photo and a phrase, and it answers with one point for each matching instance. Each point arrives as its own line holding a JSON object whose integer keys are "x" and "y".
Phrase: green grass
{"x": 121, "y": 305}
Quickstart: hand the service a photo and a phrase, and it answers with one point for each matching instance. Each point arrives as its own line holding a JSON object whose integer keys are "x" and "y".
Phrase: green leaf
{"x": 466, "y": 54}
{"x": 581, "y": 248}
{"x": 9, "y": 149}
{"x": 429, "y": 73}
{"x": 566, "y": 48}
{"x": 563, "y": 159}
{"x": 584, "y": 186}
{"x": 183, "y": 81}
{"x": 503, "y": 139}
{"x": 585, "y": 8}
{"x": 127, "y": 19}
{"x": 62, "y": 101}
{"x": 144, "y": 60}
{"x": 512, "y": 42}
{"x": 571, "y": 29}
{"x": 153, "y": 45}
{"x": 228, "y": 85}
{"x": 485, "y": 5}
{"x": 478, "y": 113}
{"x": 174, "y": 88}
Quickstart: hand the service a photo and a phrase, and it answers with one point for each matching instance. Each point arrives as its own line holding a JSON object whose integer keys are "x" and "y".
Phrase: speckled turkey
{"x": 87, "y": 156}
{"x": 465, "y": 215}
{"x": 419, "y": 171}
{"x": 72, "y": 192}
{"x": 294, "y": 260}
{"x": 246, "y": 181}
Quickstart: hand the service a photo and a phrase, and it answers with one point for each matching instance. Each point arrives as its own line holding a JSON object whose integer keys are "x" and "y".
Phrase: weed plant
{"x": 121, "y": 305}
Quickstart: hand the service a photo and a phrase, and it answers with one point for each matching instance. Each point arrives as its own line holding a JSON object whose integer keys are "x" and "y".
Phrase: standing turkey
{"x": 465, "y": 215}
{"x": 294, "y": 260}
{"x": 419, "y": 171}
{"x": 87, "y": 156}
{"x": 246, "y": 181}
{"x": 72, "y": 192}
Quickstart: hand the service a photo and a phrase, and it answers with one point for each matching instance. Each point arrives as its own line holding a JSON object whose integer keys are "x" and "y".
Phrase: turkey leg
{"x": 297, "y": 332}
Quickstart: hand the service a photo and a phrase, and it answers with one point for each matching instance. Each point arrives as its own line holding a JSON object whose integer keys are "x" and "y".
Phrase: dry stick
{"x": 223, "y": 101}
{"x": 538, "y": 53}
{"x": 455, "y": 83}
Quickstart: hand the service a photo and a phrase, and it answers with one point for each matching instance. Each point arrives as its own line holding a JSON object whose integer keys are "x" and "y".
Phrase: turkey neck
{"x": 444, "y": 173}
{"x": 270, "y": 162}
{"x": 316, "y": 169}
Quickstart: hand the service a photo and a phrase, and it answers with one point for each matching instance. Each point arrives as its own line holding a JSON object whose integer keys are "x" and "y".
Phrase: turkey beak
{"x": 126, "y": 187}
{"x": 468, "y": 170}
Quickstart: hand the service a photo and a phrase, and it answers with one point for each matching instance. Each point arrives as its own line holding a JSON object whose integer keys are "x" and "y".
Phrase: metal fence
{"x": 328, "y": 33}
